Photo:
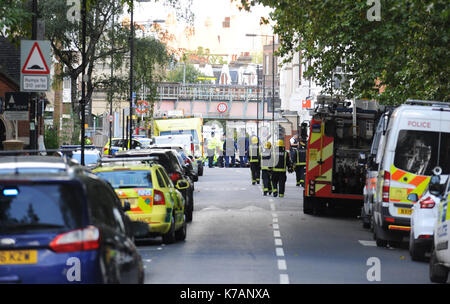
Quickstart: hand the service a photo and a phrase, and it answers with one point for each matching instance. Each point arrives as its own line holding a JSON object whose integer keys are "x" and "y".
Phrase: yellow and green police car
{"x": 150, "y": 193}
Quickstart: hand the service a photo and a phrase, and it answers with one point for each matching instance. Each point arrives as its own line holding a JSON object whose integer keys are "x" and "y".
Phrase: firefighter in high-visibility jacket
{"x": 299, "y": 161}
{"x": 212, "y": 144}
{"x": 266, "y": 168}
{"x": 255, "y": 167}
{"x": 281, "y": 163}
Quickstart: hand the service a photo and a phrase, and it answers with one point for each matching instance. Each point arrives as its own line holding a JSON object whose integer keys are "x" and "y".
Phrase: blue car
{"x": 59, "y": 223}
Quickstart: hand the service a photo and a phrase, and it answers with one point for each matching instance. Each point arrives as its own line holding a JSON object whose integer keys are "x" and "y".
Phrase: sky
{"x": 216, "y": 10}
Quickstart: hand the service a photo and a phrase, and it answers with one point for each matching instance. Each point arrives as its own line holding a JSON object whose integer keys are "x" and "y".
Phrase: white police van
{"x": 417, "y": 140}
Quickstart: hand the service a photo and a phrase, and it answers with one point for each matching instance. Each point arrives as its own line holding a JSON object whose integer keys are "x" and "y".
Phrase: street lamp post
{"x": 273, "y": 77}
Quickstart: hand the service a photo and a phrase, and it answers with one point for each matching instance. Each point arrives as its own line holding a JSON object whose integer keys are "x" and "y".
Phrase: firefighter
{"x": 255, "y": 167}
{"x": 266, "y": 168}
{"x": 281, "y": 163}
{"x": 299, "y": 162}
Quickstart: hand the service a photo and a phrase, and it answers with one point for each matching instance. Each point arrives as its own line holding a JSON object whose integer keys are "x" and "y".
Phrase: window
{"x": 101, "y": 204}
{"x": 166, "y": 178}
{"x": 161, "y": 182}
{"x": 128, "y": 178}
{"x": 419, "y": 152}
{"x": 39, "y": 204}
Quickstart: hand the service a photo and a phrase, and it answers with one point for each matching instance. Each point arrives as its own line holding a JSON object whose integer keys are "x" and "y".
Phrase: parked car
{"x": 424, "y": 216}
{"x": 152, "y": 196}
{"x": 92, "y": 155}
{"x": 440, "y": 255}
{"x": 188, "y": 160}
{"x": 176, "y": 171}
{"x": 187, "y": 141}
{"x": 62, "y": 224}
{"x": 118, "y": 144}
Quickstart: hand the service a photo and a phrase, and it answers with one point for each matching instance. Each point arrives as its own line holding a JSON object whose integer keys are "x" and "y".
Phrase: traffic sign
{"x": 222, "y": 107}
{"x": 35, "y": 60}
{"x": 16, "y": 106}
{"x": 141, "y": 106}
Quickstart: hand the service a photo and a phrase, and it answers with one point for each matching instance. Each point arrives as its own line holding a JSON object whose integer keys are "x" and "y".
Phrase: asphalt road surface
{"x": 239, "y": 236}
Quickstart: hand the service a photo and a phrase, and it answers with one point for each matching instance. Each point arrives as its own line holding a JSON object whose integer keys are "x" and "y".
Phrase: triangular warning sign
{"x": 11, "y": 100}
{"x": 35, "y": 63}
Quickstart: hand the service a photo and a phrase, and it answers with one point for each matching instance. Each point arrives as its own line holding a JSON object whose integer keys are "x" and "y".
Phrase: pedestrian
{"x": 242, "y": 147}
{"x": 212, "y": 143}
{"x": 266, "y": 168}
{"x": 254, "y": 160}
{"x": 220, "y": 152}
{"x": 281, "y": 163}
{"x": 229, "y": 148}
{"x": 299, "y": 162}
{"x": 294, "y": 142}
{"x": 87, "y": 141}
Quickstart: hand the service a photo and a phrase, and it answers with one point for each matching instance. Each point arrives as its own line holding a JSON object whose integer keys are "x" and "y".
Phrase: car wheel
{"x": 417, "y": 253}
{"x": 169, "y": 237}
{"x": 200, "y": 170}
{"x": 438, "y": 273}
{"x": 307, "y": 205}
{"x": 378, "y": 241}
{"x": 180, "y": 234}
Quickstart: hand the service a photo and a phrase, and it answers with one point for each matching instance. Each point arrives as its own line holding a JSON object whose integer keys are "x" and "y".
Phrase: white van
{"x": 417, "y": 139}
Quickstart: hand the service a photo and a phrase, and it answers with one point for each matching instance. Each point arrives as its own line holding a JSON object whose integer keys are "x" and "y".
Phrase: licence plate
{"x": 9, "y": 257}
{"x": 405, "y": 211}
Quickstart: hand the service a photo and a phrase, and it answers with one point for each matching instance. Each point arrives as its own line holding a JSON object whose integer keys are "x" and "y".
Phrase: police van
{"x": 417, "y": 139}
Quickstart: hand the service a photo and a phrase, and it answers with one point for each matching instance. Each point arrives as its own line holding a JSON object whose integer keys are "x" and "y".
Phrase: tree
{"x": 15, "y": 19}
{"x": 184, "y": 71}
{"x": 404, "y": 55}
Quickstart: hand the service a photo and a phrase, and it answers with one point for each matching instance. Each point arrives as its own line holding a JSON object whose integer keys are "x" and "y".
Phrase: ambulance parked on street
{"x": 417, "y": 139}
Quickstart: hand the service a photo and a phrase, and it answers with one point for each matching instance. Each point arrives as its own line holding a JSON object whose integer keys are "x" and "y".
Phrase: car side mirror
{"x": 140, "y": 229}
{"x": 126, "y": 206}
{"x": 182, "y": 184}
{"x": 413, "y": 197}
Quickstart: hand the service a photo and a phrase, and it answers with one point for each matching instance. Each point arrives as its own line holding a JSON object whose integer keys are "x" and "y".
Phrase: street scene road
{"x": 239, "y": 236}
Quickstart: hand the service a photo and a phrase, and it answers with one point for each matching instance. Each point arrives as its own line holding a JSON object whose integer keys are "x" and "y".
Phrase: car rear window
{"x": 419, "y": 152}
{"x": 128, "y": 178}
{"x": 37, "y": 206}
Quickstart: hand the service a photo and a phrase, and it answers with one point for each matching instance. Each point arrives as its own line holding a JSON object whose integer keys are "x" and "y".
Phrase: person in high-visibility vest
{"x": 212, "y": 143}
{"x": 266, "y": 168}
{"x": 253, "y": 154}
{"x": 219, "y": 150}
{"x": 281, "y": 163}
{"x": 299, "y": 161}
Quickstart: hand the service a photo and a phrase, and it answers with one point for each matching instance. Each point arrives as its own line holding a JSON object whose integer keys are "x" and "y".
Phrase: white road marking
{"x": 368, "y": 243}
{"x": 279, "y": 251}
{"x": 275, "y": 226}
{"x": 275, "y": 220}
{"x": 276, "y": 233}
{"x": 272, "y": 207}
{"x": 282, "y": 265}
{"x": 284, "y": 279}
{"x": 278, "y": 242}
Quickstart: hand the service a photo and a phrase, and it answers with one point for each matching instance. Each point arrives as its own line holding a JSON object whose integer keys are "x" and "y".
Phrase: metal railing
{"x": 210, "y": 92}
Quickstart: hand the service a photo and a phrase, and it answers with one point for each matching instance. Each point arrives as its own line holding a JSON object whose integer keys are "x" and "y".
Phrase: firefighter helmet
{"x": 280, "y": 143}
{"x": 268, "y": 145}
{"x": 254, "y": 140}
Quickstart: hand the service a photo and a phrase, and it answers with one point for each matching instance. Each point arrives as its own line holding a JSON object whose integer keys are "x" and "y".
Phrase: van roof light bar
{"x": 127, "y": 159}
{"x": 427, "y": 102}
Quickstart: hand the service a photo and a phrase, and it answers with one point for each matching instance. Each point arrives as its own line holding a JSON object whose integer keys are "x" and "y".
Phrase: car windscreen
{"x": 88, "y": 158}
{"x": 177, "y": 132}
{"x": 128, "y": 178}
{"x": 419, "y": 152}
{"x": 38, "y": 206}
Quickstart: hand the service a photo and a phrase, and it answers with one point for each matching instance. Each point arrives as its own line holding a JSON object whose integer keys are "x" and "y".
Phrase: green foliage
{"x": 51, "y": 140}
{"x": 177, "y": 74}
{"x": 406, "y": 53}
{"x": 15, "y": 19}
